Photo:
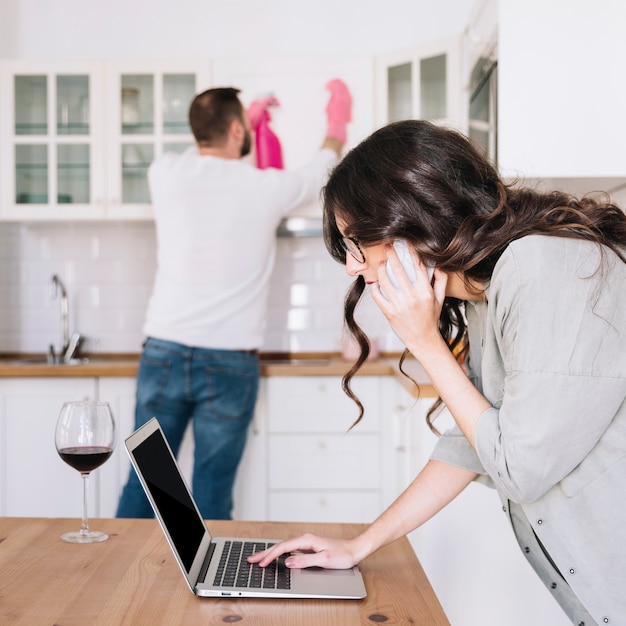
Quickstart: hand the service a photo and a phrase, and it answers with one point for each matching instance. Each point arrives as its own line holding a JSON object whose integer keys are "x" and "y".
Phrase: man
{"x": 216, "y": 218}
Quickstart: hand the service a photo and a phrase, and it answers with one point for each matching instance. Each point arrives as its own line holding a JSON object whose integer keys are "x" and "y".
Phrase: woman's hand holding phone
{"x": 409, "y": 297}
{"x": 404, "y": 256}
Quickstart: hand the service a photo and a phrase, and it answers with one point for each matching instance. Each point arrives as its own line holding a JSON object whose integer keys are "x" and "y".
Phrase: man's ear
{"x": 236, "y": 129}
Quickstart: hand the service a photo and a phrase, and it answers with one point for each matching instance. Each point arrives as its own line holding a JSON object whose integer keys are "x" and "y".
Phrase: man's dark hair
{"x": 211, "y": 113}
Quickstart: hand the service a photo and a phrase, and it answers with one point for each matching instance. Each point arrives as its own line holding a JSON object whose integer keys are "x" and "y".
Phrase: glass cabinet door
{"x": 421, "y": 83}
{"x": 50, "y": 143}
{"x": 57, "y": 162}
{"x": 483, "y": 106}
{"x": 150, "y": 112}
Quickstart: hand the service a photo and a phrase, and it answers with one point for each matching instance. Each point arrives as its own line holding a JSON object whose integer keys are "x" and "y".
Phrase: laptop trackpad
{"x": 327, "y": 572}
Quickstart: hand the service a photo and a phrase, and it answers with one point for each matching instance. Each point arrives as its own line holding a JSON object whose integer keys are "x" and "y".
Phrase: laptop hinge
{"x": 205, "y": 564}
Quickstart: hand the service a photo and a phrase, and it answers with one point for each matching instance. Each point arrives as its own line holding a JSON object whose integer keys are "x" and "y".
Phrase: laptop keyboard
{"x": 235, "y": 571}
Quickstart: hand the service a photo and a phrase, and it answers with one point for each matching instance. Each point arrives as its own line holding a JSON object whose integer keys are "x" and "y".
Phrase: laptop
{"x": 217, "y": 566}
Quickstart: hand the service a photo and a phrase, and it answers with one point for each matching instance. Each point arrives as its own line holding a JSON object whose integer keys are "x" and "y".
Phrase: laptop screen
{"x": 171, "y": 496}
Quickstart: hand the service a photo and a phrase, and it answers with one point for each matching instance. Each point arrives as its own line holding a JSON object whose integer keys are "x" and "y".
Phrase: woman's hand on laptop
{"x": 311, "y": 551}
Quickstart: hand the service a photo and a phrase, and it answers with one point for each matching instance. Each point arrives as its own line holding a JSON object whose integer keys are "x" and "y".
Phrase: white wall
{"x": 196, "y": 28}
{"x": 108, "y": 270}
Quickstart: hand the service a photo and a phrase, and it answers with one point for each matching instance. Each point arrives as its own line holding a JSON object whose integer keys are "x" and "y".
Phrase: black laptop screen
{"x": 171, "y": 496}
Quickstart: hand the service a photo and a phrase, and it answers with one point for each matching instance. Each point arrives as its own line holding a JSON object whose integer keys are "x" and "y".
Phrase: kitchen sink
{"x": 42, "y": 360}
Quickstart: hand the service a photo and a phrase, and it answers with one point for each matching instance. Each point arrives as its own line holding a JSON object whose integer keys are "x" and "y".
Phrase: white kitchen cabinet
{"x": 147, "y": 105}
{"x": 302, "y": 463}
{"x": 422, "y": 82}
{"x": 318, "y": 469}
{"x": 77, "y": 137}
{"x": 250, "y": 491}
{"x": 52, "y": 129}
{"x": 112, "y": 476}
{"x": 34, "y": 481}
{"x": 561, "y": 105}
{"x": 39, "y": 483}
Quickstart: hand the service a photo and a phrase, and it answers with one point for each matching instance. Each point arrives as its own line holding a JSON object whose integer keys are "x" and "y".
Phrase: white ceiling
{"x": 213, "y": 28}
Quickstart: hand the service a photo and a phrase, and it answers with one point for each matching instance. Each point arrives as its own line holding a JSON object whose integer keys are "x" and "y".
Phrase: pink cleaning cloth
{"x": 338, "y": 109}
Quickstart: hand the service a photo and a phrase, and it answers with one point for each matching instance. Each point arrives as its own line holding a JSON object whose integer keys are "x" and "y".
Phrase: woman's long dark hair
{"x": 429, "y": 185}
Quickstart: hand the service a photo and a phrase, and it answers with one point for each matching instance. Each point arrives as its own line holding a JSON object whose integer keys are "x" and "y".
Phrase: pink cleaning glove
{"x": 338, "y": 109}
{"x": 255, "y": 110}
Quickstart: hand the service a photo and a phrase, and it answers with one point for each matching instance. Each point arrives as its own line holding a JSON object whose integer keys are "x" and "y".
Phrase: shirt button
{"x": 527, "y": 550}
{"x": 572, "y": 570}
{"x": 553, "y": 585}
{"x": 605, "y": 620}
{"x": 581, "y": 623}
{"x": 539, "y": 522}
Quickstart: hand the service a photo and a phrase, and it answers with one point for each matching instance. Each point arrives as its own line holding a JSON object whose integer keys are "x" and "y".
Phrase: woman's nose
{"x": 352, "y": 265}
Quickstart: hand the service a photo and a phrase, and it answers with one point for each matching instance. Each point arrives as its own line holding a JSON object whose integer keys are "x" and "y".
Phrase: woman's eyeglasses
{"x": 351, "y": 246}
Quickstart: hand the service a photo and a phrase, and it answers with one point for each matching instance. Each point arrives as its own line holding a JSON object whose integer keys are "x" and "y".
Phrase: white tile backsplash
{"x": 108, "y": 269}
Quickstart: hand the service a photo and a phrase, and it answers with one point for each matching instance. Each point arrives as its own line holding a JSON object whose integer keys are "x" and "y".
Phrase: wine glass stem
{"x": 85, "y": 527}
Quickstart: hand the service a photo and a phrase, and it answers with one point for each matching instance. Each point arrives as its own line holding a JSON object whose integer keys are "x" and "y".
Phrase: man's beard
{"x": 246, "y": 146}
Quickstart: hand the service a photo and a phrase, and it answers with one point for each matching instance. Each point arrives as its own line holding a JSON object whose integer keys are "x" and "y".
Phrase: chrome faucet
{"x": 70, "y": 345}
{"x": 57, "y": 285}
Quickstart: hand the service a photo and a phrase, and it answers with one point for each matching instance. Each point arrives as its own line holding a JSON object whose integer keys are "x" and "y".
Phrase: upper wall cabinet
{"x": 424, "y": 82}
{"x": 52, "y": 141}
{"x": 561, "y": 97}
{"x": 78, "y": 137}
{"x": 148, "y": 114}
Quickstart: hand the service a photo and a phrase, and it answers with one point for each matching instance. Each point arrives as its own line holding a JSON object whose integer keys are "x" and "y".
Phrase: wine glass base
{"x": 91, "y": 536}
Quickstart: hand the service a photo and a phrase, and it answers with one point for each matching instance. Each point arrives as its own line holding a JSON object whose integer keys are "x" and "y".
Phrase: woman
{"x": 529, "y": 291}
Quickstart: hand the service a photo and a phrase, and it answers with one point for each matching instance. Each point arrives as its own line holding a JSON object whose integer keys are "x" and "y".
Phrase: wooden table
{"x": 132, "y": 579}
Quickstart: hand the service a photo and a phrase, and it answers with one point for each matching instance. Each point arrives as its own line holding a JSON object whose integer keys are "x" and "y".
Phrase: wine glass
{"x": 85, "y": 438}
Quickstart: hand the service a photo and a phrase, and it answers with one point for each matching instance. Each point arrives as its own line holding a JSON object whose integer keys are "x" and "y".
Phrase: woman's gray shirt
{"x": 548, "y": 351}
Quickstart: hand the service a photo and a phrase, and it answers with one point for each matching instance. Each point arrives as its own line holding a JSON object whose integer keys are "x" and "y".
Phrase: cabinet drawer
{"x": 324, "y": 461}
{"x": 318, "y": 404}
{"x": 320, "y": 506}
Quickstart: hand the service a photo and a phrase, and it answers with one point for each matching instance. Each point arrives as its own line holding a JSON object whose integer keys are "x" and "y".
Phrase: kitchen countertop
{"x": 132, "y": 578}
{"x": 272, "y": 364}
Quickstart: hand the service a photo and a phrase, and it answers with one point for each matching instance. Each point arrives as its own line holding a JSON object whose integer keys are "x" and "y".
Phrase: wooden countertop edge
{"x": 126, "y": 366}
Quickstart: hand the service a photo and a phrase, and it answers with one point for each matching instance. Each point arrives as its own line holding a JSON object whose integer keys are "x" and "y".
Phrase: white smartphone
{"x": 402, "y": 250}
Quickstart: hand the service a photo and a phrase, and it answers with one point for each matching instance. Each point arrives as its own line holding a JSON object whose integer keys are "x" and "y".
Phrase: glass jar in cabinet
{"x": 52, "y": 142}
{"x": 149, "y": 104}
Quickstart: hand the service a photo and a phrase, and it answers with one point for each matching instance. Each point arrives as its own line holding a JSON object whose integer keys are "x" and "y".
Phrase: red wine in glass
{"x": 85, "y": 458}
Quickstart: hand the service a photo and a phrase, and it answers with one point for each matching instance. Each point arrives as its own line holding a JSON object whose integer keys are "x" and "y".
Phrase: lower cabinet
{"x": 34, "y": 481}
{"x": 120, "y": 394}
{"x": 302, "y": 460}
{"x": 318, "y": 468}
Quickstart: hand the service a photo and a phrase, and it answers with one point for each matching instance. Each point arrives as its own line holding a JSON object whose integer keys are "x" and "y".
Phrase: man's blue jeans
{"x": 217, "y": 391}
